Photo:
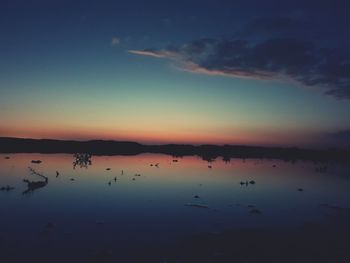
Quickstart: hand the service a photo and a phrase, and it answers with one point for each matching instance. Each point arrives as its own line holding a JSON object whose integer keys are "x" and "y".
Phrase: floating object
{"x": 252, "y": 182}
{"x": 108, "y": 169}
{"x": 137, "y": 174}
{"x": 133, "y": 179}
{"x": 274, "y": 166}
{"x": 157, "y": 165}
{"x": 196, "y": 196}
{"x": 109, "y": 183}
{"x": 36, "y": 161}
{"x": 300, "y": 189}
{"x": 72, "y": 179}
{"x": 175, "y": 161}
{"x": 7, "y": 157}
{"x": 209, "y": 166}
{"x": 57, "y": 174}
{"x": 115, "y": 179}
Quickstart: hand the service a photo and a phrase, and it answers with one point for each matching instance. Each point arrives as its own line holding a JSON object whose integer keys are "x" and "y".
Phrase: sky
{"x": 218, "y": 72}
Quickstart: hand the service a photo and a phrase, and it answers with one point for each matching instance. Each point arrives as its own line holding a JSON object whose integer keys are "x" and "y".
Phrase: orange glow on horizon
{"x": 154, "y": 136}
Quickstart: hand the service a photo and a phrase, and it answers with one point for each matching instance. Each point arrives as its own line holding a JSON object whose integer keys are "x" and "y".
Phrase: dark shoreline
{"x": 206, "y": 152}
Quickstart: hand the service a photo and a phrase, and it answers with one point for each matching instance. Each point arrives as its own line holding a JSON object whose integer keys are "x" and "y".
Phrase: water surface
{"x": 123, "y": 203}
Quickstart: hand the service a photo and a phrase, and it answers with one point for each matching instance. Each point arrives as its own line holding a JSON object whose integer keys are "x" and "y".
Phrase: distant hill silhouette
{"x": 206, "y": 152}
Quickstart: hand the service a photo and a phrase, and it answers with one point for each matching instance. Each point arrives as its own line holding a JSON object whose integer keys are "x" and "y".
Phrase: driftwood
{"x": 34, "y": 185}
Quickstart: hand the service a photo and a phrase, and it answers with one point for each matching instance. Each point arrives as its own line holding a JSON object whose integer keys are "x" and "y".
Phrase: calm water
{"x": 97, "y": 213}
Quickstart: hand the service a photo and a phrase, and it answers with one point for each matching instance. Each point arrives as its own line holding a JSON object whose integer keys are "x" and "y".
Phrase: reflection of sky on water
{"x": 89, "y": 213}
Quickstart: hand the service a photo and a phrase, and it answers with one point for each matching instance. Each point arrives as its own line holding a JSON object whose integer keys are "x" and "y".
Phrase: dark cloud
{"x": 273, "y": 57}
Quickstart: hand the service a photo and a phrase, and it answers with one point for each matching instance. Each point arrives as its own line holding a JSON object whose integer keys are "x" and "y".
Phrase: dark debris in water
{"x": 7, "y": 188}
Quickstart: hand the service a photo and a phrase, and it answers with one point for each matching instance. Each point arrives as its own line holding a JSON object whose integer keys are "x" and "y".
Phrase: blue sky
{"x": 247, "y": 72}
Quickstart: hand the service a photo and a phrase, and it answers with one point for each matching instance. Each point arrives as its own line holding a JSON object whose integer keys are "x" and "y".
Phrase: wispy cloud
{"x": 267, "y": 58}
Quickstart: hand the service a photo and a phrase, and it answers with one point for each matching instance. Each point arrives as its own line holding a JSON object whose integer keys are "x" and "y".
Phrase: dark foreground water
{"x": 128, "y": 209}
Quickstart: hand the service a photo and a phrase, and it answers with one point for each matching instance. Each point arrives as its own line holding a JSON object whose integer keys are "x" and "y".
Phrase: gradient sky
{"x": 238, "y": 72}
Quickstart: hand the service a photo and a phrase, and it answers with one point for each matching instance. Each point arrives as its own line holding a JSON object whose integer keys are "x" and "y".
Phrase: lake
{"x": 106, "y": 208}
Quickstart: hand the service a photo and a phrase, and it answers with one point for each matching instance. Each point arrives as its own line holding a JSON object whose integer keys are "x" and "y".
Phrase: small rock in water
{"x": 252, "y": 182}
{"x": 196, "y": 196}
{"x": 72, "y": 179}
{"x": 57, "y": 174}
{"x": 108, "y": 169}
{"x": 175, "y": 161}
{"x": 133, "y": 179}
{"x": 209, "y": 166}
{"x": 274, "y": 166}
{"x": 109, "y": 183}
{"x": 36, "y": 161}
{"x": 7, "y": 157}
{"x": 115, "y": 179}
{"x": 300, "y": 189}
